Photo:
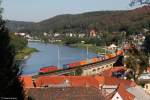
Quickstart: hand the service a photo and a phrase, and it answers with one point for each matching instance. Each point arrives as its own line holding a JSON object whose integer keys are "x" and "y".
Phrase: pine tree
{"x": 10, "y": 86}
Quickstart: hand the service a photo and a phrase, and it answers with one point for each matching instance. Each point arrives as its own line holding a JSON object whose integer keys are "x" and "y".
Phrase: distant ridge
{"x": 18, "y": 25}
{"x": 138, "y": 19}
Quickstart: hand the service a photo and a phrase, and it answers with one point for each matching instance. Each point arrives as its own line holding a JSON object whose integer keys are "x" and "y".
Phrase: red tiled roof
{"x": 116, "y": 69}
{"x": 110, "y": 96}
{"x": 27, "y": 81}
{"x": 112, "y": 70}
{"x": 107, "y": 73}
{"x": 148, "y": 69}
{"x": 74, "y": 81}
{"x": 104, "y": 80}
{"x": 124, "y": 93}
{"x": 66, "y": 93}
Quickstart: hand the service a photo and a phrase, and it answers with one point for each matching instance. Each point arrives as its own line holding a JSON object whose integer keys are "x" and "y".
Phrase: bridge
{"x": 89, "y": 69}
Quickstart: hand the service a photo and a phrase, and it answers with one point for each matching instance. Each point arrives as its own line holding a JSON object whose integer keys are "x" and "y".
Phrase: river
{"x": 48, "y": 55}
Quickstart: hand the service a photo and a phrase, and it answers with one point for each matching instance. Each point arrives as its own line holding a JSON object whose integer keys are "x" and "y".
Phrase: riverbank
{"x": 23, "y": 54}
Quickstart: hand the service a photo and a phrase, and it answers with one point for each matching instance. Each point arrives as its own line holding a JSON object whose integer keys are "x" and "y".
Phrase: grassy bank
{"x": 25, "y": 52}
{"x": 91, "y": 48}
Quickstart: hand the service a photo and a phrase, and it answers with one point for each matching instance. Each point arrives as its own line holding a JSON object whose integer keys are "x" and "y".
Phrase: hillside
{"x": 18, "y": 25}
{"x": 131, "y": 20}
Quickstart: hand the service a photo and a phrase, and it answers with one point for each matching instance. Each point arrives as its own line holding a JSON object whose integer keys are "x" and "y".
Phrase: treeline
{"x": 15, "y": 26}
{"x": 105, "y": 39}
{"x": 131, "y": 21}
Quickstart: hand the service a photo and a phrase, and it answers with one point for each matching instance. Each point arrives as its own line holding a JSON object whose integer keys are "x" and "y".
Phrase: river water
{"x": 48, "y": 55}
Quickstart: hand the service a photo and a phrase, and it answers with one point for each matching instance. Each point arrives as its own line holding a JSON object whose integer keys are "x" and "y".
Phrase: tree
{"x": 141, "y": 2}
{"x": 136, "y": 61}
{"x": 78, "y": 71}
{"x": 119, "y": 62}
{"x": 10, "y": 86}
{"x": 18, "y": 42}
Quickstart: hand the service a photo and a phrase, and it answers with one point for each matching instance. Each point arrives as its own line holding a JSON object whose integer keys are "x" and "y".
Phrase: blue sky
{"x": 37, "y": 10}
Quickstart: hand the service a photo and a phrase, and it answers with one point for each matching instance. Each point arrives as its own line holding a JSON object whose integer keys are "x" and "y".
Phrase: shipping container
{"x": 84, "y": 62}
{"x": 100, "y": 58}
{"x": 65, "y": 66}
{"x": 106, "y": 57}
{"x": 90, "y": 61}
{"x": 75, "y": 64}
{"x": 103, "y": 58}
{"x": 95, "y": 60}
{"x": 48, "y": 69}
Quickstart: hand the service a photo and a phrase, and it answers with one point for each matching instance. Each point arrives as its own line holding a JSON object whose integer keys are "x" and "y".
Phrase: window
{"x": 146, "y": 86}
{"x": 117, "y": 97}
{"x": 94, "y": 70}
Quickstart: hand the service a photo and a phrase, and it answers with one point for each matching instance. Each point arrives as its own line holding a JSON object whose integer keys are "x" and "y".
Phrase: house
{"x": 128, "y": 93}
{"x": 20, "y": 34}
{"x": 56, "y": 34}
{"x": 28, "y": 36}
{"x": 65, "y": 88}
{"x": 119, "y": 89}
{"x": 45, "y": 34}
{"x": 147, "y": 88}
{"x": 121, "y": 94}
{"x": 109, "y": 85}
{"x": 144, "y": 77}
{"x": 27, "y": 81}
{"x": 66, "y": 81}
{"x": 65, "y": 93}
{"x": 82, "y": 88}
{"x": 93, "y": 33}
{"x": 148, "y": 69}
{"x": 138, "y": 92}
{"x": 112, "y": 47}
{"x": 81, "y": 35}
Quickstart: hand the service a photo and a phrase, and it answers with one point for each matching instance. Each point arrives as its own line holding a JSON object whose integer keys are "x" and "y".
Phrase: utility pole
{"x": 87, "y": 52}
{"x": 58, "y": 55}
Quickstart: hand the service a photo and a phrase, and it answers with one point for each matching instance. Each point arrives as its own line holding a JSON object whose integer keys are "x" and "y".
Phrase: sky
{"x": 38, "y": 10}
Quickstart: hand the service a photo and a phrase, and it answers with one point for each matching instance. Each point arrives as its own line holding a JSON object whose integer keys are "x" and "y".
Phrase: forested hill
{"x": 18, "y": 25}
{"x": 131, "y": 20}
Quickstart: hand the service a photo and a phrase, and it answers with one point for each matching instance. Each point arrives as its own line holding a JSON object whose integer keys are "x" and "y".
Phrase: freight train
{"x": 50, "y": 69}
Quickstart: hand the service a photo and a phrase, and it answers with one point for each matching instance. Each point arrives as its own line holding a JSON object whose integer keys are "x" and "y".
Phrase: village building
{"x": 82, "y": 88}
{"x": 112, "y": 47}
{"x": 147, "y": 88}
{"x": 20, "y": 34}
{"x": 93, "y": 33}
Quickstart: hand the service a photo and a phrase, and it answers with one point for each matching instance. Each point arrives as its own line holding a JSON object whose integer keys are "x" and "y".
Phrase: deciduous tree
{"x": 136, "y": 61}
